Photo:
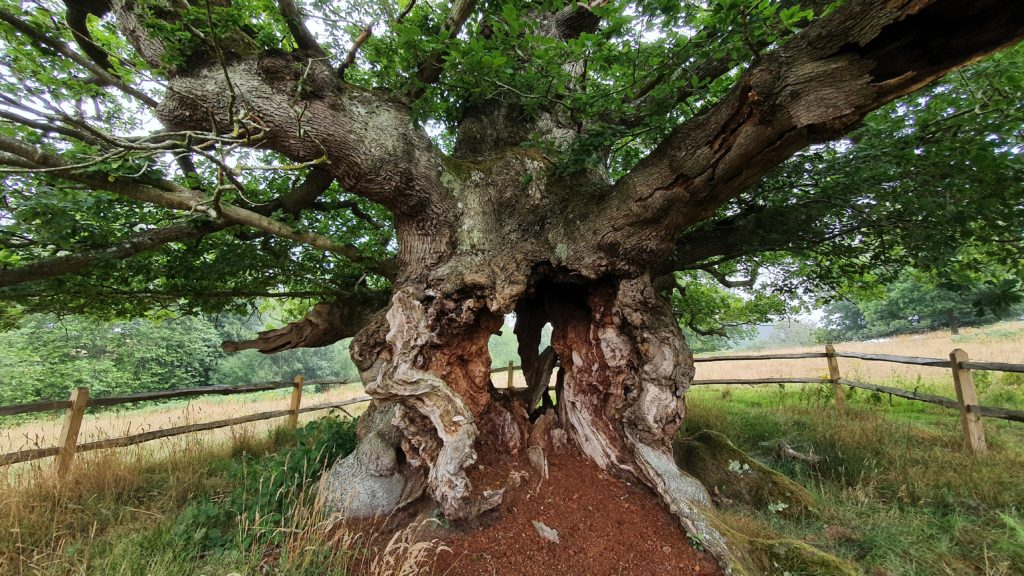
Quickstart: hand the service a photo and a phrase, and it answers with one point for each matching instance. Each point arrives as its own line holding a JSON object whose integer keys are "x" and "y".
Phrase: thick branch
{"x": 324, "y": 325}
{"x": 573, "y": 20}
{"x": 306, "y": 113}
{"x": 430, "y": 69}
{"x": 136, "y": 244}
{"x": 171, "y": 195}
{"x": 297, "y": 26}
{"x": 814, "y": 88}
{"x": 312, "y": 187}
{"x": 724, "y": 280}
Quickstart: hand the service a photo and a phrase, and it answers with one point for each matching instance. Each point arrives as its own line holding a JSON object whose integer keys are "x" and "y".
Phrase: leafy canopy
{"x": 933, "y": 181}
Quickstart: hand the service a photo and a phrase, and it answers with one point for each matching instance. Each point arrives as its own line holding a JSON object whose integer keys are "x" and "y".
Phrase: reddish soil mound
{"x": 605, "y": 527}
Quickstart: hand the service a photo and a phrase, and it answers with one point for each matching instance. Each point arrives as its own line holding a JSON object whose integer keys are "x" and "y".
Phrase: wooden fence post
{"x": 511, "y": 375}
{"x": 967, "y": 396}
{"x": 69, "y": 430}
{"x": 293, "y": 418}
{"x": 833, "y": 376}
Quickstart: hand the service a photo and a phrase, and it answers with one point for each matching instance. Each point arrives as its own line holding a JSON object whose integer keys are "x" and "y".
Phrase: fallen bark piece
{"x": 545, "y": 532}
{"x": 537, "y": 459}
{"x": 785, "y": 450}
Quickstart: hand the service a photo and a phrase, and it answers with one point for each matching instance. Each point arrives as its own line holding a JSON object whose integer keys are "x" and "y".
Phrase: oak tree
{"x": 420, "y": 170}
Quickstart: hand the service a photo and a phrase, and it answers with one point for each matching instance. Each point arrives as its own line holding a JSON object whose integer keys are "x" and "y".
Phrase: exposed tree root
{"x": 735, "y": 477}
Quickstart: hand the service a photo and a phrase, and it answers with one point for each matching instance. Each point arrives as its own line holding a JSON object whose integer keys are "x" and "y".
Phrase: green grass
{"x": 244, "y": 508}
{"x": 896, "y": 492}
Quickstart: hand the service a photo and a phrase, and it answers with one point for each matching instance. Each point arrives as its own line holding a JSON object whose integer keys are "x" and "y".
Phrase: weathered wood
{"x": 47, "y": 405}
{"x": 833, "y": 375}
{"x": 296, "y": 401}
{"x": 996, "y": 412}
{"x": 967, "y": 397}
{"x": 44, "y": 406}
{"x": 913, "y": 360}
{"x": 26, "y": 455}
{"x": 909, "y": 395}
{"x": 994, "y": 366}
{"x": 208, "y": 390}
{"x": 329, "y": 405}
{"x": 69, "y": 431}
{"x": 787, "y": 451}
{"x": 511, "y": 374}
{"x": 123, "y": 441}
{"x": 188, "y": 392}
{"x": 37, "y": 453}
{"x": 759, "y": 381}
{"x": 794, "y": 356}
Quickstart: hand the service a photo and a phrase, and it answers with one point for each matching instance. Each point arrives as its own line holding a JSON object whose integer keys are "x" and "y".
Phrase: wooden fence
{"x": 959, "y": 364}
{"x": 67, "y": 446}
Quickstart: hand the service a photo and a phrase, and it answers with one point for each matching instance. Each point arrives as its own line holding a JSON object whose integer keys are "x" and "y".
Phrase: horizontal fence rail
{"x": 966, "y": 401}
{"x": 44, "y": 406}
{"x": 913, "y": 360}
{"x": 752, "y": 381}
{"x": 738, "y": 357}
{"x": 995, "y": 366}
{"x": 80, "y": 400}
{"x": 909, "y": 395}
{"x": 959, "y": 363}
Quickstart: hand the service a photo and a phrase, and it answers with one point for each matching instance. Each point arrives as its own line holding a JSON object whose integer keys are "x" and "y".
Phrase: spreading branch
{"x": 171, "y": 195}
{"x": 325, "y": 324}
{"x": 104, "y": 76}
{"x": 814, "y": 88}
{"x": 724, "y": 280}
{"x": 429, "y": 71}
{"x": 364, "y": 35}
{"x": 133, "y": 245}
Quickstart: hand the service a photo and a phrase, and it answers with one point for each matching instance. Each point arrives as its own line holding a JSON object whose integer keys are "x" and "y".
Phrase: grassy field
{"x": 1003, "y": 342}
{"x": 895, "y": 493}
{"x": 111, "y": 423}
{"x": 203, "y": 507}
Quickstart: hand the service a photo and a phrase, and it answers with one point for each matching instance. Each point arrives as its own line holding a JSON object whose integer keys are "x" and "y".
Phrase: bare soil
{"x": 605, "y": 527}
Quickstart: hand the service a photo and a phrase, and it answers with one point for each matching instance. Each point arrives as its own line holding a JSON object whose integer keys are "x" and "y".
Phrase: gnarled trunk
{"x": 626, "y": 370}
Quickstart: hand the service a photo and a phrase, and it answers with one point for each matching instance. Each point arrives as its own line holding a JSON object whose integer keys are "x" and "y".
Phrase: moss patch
{"x": 736, "y": 479}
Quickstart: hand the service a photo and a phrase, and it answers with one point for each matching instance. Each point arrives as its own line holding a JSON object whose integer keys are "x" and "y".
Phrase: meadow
{"x": 896, "y": 494}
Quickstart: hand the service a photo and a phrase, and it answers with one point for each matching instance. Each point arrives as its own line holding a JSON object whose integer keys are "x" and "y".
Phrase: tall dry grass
{"x": 137, "y": 511}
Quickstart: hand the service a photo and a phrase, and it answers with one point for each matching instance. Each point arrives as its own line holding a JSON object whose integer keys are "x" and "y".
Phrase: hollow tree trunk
{"x": 626, "y": 370}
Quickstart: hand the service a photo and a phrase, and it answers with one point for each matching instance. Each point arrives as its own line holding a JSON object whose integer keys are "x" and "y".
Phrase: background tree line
{"x": 46, "y": 355}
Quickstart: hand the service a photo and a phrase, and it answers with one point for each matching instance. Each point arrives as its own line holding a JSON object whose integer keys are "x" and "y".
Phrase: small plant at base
{"x": 439, "y": 517}
{"x": 776, "y": 507}
{"x": 696, "y": 541}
